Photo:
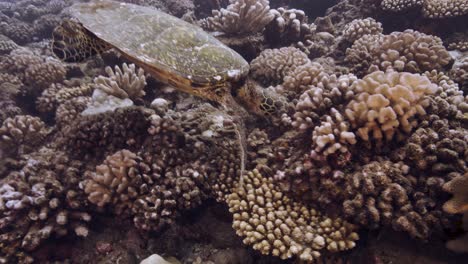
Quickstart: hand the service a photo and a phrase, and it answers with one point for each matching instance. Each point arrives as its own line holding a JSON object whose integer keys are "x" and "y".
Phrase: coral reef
{"x": 22, "y": 134}
{"x": 241, "y": 17}
{"x": 409, "y": 51}
{"x": 353, "y": 118}
{"x": 360, "y": 27}
{"x": 274, "y": 224}
{"x": 429, "y": 8}
{"x": 272, "y": 65}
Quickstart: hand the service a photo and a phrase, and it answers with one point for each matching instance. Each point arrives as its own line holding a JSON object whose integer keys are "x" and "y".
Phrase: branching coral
{"x": 430, "y": 8}
{"x": 329, "y": 92}
{"x": 274, "y": 224}
{"x": 22, "y": 134}
{"x": 70, "y": 110}
{"x": 409, "y": 51}
{"x": 58, "y": 94}
{"x": 386, "y": 104}
{"x": 360, "y": 27}
{"x": 301, "y": 77}
{"x": 104, "y": 133}
{"x": 34, "y": 70}
{"x": 118, "y": 90}
{"x": 7, "y": 45}
{"x": 458, "y": 205}
{"x": 459, "y": 73}
{"x": 125, "y": 82}
{"x": 40, "y": 201}
{"x": 288, "y": 26}
{"x": 272, "y": 65}
{"x": 241, "y": 17}
{"x": 333, "y": 135}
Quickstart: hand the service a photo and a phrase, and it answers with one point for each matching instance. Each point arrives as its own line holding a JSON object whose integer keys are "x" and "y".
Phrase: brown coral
{"x": 122, "y": 82}
{"x": 288, "y": 26}
{"x": 386, "y": 104}
{"x": 272, "y": 65}
{"x": 360, "y": 27}
{"x": 22, "y": 134}
{"x": 274, "y": 224}
{"x": 409, "y": 51}
{"x": 241, "y": 17}
{"x": 39, "y": 201}
{"x": 57, "y": 94}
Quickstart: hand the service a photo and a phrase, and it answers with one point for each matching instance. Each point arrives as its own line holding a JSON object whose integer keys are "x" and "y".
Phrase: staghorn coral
{"x": 409, "y": 51}
{"x": 272, "y": 65}
{"x": 288, "y": 26}
{"x": 386, "y": 104}
{"x": 274, "y": 224}
{"x": 22, "y": 134}
{"x": 122, "y": 82}
{"x": 360, "y": 27}
{"x": 241, "y": 17}
{"x": 57, "y": 94}
{"x": 40, "y": 201}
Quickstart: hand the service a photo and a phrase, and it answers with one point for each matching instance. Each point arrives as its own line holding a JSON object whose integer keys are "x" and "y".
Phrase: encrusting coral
{"x": 274, "y": 224}
{"x": 241, "y": 17}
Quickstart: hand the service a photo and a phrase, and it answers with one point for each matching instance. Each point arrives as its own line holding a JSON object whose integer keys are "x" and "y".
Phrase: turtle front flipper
{"x": 71, "y": 42}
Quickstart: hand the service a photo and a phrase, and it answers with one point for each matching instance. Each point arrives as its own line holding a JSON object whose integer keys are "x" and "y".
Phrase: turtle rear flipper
{"x": 71, "y": 42}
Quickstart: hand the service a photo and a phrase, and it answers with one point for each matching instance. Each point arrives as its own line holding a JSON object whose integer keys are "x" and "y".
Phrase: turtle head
{"x": 71, "y": 42}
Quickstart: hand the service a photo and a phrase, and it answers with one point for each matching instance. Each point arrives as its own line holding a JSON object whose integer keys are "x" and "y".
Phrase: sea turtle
{"x": 170, "y": 49}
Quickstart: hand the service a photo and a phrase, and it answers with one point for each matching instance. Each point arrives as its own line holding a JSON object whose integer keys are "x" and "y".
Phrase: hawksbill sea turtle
{"x": 171, "y": 50}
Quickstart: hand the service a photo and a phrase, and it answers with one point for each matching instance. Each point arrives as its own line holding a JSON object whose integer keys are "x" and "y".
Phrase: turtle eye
{"x": 219, "y": 92}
